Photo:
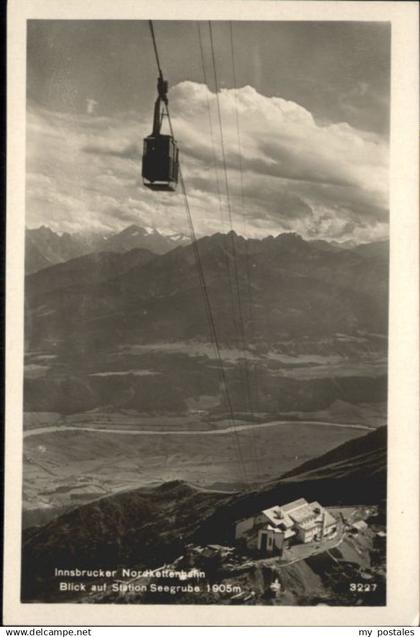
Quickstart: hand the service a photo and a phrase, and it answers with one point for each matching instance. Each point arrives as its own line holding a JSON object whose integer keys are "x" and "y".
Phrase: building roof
{"x": 300, "y": 512}
{"x": 303, "y": 515}
{"x": 307, "y": 517}
{"x": 293, "y": 505}
{"x": 277, "y": 517}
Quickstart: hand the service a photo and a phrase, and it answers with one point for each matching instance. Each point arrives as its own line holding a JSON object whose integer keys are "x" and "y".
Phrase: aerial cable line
{"x": 247, "y": 376}
{"x": 215, "y": 161}
{"x": 228, "y": 198}
{"x": 253, "y": 400}
{"x": 235, "y": 86}
{"x": 241, "y": 329}
{"x": 209, "y": 311}
{"x": 222, "y": 142}
{"x": 235, "y": 260}
{"x": 248, "y": 277}
{"x": 202, "y": 281}
{"x": 247, "y": 379}
{"x": 203, "y": 67}
{"x": 215, "y": 158}
{"x": 236, "y": 273}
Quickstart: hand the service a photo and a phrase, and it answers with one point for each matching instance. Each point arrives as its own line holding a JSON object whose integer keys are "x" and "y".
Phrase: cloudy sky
{"x": 310, "y": 104}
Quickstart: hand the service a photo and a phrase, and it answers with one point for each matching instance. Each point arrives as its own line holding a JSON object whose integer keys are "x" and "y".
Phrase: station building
{"x": 295, "y": 522}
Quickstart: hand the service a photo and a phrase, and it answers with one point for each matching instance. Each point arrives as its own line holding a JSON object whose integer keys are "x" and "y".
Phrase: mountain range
{"x": 44, "y": 247}
{"x": 259, "y": 291}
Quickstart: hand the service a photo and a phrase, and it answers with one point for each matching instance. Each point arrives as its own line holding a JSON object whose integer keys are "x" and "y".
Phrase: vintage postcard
{"x": 212, "y": 279}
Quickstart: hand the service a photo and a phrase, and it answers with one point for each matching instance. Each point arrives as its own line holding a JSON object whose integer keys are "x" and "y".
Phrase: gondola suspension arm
{"x": 160, "y": 165}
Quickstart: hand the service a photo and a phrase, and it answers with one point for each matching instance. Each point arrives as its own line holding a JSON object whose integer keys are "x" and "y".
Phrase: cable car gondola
{"x": 160, "y": 152}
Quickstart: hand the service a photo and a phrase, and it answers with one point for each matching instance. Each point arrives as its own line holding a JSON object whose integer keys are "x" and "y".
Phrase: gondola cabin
{"x": 160, "y": 162}
{"x": 160, "y": 153}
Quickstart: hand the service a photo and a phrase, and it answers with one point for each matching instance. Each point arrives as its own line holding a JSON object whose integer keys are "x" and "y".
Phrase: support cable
{"x": 251, "y": 300}
{"x": 219, "y": 193}
{"x": 206, "y": 82}
{"x": 241, "y": 328}
{"x": 241, "y": 321}
{"x": 253, "y": 396}
{"x": 152, "y": 32}
{"x": 209, "y": 312}
{"x": 203, "y": 284}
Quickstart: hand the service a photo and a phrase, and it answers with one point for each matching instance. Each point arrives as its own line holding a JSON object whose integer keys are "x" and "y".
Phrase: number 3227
{"x": 363, "y": 587}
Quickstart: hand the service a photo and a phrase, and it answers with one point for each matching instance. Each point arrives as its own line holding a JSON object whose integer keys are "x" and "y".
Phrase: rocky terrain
{"x": 150, "y": 528}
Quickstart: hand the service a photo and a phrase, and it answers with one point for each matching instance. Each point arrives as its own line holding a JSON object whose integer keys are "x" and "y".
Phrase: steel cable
{"x": 251, "y": 314}
{"x": 241, "y": 321}
{"x": 203, "y": 284}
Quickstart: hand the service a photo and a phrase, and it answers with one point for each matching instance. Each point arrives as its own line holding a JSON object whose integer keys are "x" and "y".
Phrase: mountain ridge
{"x": 44, "y": 247}
{"x": 284, "y": 285}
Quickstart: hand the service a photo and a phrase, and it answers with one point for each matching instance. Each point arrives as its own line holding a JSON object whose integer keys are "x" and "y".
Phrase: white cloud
{"x": 84, "y": 171}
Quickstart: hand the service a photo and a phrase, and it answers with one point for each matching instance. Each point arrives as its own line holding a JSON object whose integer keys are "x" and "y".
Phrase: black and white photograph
{"x": 206, "y": 312}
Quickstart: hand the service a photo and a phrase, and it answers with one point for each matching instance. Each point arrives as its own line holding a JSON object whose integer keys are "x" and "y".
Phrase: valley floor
{"x": 75, "y": 459}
